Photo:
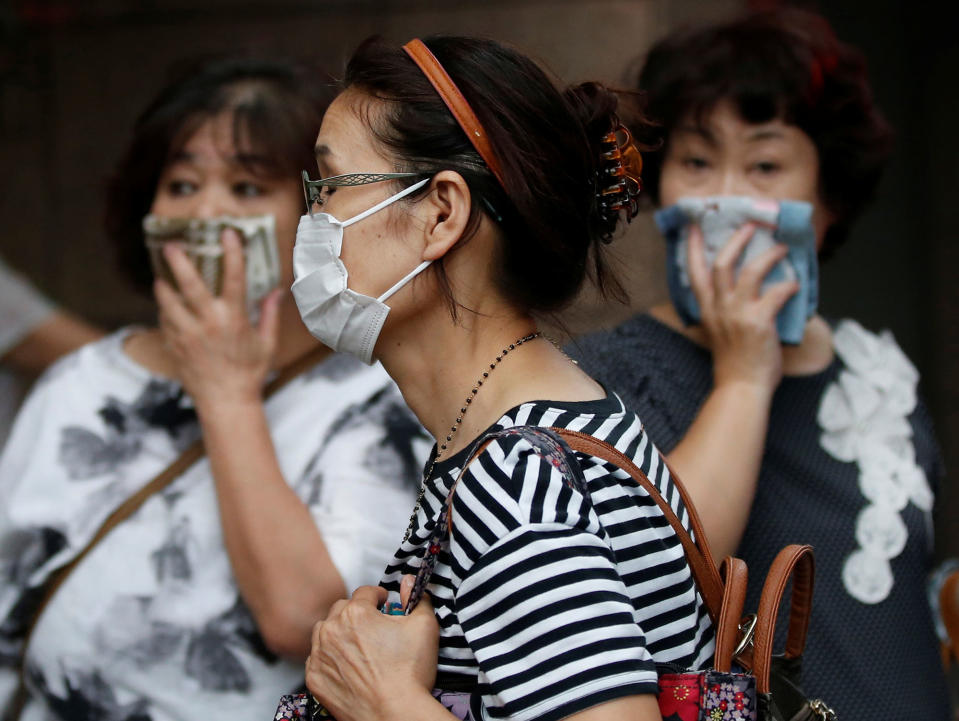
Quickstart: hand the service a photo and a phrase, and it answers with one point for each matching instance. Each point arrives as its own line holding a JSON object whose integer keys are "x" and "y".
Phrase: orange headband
{"x": 457, "y": 104}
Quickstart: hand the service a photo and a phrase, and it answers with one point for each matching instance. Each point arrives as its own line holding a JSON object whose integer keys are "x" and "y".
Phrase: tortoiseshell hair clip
{"x": 619, "y": 182}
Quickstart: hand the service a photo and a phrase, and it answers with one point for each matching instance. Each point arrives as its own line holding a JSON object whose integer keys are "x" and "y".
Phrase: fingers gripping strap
{"x": 461, "y": 110}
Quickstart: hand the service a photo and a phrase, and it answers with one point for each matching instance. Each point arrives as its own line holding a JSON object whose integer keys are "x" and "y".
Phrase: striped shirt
{"x": 550, "y": 601}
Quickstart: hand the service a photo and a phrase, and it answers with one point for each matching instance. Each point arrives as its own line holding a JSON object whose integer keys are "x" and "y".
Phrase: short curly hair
{"x": 786, "y": 64}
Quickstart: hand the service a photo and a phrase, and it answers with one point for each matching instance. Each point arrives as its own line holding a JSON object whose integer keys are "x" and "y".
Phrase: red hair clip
{"x": 822, "y": 66}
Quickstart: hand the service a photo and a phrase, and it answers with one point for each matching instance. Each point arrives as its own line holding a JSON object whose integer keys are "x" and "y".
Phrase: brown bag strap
{"x": 698, "y": 556}
{"x": 187, "y": 458}
{"x": 949, "y": 613}
{"x": 728, "y": 636}
{"x": 793, "y": 562}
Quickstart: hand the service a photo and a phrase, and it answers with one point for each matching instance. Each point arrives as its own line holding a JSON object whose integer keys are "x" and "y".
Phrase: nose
{"x": 212, "y": 201}
{"x": 733, "y": 182}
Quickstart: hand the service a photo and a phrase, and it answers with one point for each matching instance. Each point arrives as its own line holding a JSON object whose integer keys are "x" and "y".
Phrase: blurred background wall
{"x": 73, "y": 76}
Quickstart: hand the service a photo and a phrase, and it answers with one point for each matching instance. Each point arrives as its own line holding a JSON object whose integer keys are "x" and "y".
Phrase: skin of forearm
{"x": 718, "y": 460}
{"x": 56, "y": 336}
{"x": 281, "y": 564}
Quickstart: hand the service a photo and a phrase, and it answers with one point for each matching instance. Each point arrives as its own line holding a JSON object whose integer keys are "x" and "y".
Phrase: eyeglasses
{"x": 313, "y": 189}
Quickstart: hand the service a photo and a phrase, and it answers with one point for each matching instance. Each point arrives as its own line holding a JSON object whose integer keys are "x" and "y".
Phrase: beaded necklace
{"x": 459, "y": 419}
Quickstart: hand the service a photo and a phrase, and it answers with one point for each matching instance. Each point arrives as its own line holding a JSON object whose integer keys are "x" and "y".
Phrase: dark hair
{"x": 547, "y": 143}
{"x": 785, "y": 64}
{"x": 276, "y": 107}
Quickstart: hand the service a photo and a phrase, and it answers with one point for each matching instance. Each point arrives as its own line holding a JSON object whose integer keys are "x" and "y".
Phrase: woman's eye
{"x": 181, "y": 187}
{"x": 766, "y": 167}
{"x": 246, "y": 189}
{"x": 695, "y": 163}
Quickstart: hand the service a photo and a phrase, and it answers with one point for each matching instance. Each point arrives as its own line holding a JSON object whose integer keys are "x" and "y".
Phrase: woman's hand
{"x": 740, "y": 321}
{"x": 367, "y": 665}
{"x": 219, "y": 355}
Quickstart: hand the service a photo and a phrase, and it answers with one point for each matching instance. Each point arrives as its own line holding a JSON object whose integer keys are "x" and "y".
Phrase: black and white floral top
{"x": 151, "y": 626}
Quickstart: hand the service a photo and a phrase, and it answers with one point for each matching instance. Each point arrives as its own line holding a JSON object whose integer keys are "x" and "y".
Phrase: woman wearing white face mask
{"x": 461, "y": 192}
{"x": 199, "y": 604}
{"x": 827, "y": 441}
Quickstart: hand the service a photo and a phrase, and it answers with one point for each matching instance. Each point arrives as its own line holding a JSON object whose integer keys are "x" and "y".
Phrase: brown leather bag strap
{"x": 949, "y": 613}
{"x": 735, "y": 577}
{"x": 187, "y": 458}
{"x": 793, "y": 562}
{"x": 698, "y": 556}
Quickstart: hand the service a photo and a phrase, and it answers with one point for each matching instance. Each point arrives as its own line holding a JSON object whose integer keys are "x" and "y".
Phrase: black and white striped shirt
{"x": 553, "y": 602}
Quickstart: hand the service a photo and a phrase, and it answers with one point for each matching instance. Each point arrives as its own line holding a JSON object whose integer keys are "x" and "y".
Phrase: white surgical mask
{"x": 341, "y": 318}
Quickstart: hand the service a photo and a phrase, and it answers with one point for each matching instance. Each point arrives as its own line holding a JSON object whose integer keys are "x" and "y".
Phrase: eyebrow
{"x": 752, "y": 137}
{"x": 765, "y": 134}
{"x": 181, "y": 156}
{"x": 322, "y": 151}
{"x": 239, "y": 159}
{"x": 247, "y": 159}
{"x": 698, "y": 131}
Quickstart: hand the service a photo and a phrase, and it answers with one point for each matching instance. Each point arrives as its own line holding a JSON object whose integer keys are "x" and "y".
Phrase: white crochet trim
{"x": 864, "y": 419}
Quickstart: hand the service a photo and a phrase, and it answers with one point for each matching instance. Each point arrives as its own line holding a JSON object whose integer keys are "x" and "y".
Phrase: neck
{"x": 812, "y": 355}
{"x": 438, "y": 363}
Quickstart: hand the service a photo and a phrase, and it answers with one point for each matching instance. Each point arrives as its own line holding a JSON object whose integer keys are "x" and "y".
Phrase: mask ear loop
{"x": 406, "y": 279}
{"x": 379, "y": 206}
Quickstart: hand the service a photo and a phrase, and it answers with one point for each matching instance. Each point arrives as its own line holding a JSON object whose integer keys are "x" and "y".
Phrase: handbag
{"x": 759, "y": 688}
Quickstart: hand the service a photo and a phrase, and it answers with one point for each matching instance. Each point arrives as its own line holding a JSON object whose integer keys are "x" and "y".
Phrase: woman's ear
{"x": 447, "y": 209}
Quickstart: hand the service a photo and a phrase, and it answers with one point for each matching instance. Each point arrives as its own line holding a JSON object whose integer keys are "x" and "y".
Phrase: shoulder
{"x": 345, "y": 392}
{"x": 343, "y": 380}
{"x": 523, "y": 473}
{"x": 507, "y": 469}
{"x": 595, "y": 348}
{"x": 660, "y": 373}
{"x": 90, "y": 389}
{"x": 93, "y": 364}
{"x": 639, "y": 349}
{"x": 518, "y": 478}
